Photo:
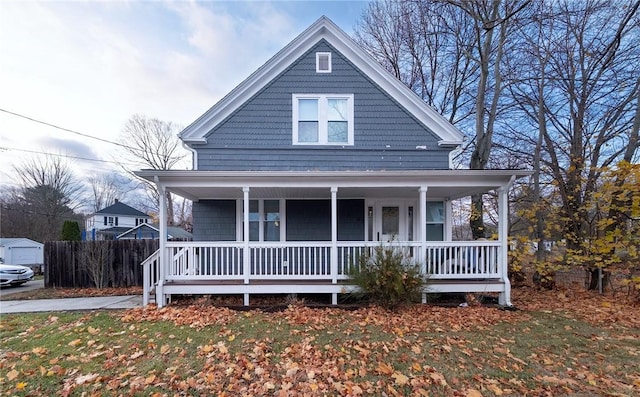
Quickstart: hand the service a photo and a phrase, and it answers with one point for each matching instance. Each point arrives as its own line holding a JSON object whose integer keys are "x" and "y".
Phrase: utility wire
{"x": 64, "y": 129}
{"x": 74, "y": 132}
{"x": 61, "y": 155}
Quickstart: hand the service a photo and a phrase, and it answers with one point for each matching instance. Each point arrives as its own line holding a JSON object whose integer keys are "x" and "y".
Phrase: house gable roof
{"x": 172, "y": 231}
{"x": 325, "y": 29}
{"x": 20, "y": 241}
{"x": 122, "y": 209}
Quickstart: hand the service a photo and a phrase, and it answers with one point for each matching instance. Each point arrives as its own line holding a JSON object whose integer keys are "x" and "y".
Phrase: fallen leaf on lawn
{"x": 384, "y": 368}
{"x": 137, "y": 354}
{"x": 39, "y": 351}
{"x": 21, "y": 385}
{"x": 75, "y": 342}
{"x": 81, "y": 380}
{"x": 473, "y": 393}
{"x": 222, "y": 348}
{"x": 556, "y": 380}
{"x": 495, "y": 390}
{"x": 401, "y": 379}
{"x": 11, "y": 375}
{"x": 438, "y": 378}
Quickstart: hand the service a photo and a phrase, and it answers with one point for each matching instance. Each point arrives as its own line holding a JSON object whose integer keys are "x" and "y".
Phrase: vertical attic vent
{"x": 323, "y": 62}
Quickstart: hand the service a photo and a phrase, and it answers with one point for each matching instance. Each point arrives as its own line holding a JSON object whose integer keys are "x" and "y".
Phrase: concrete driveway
{"x": 28, "y": 286}
{"x": 62, "y": 304}
{"x": 71, "y": 304}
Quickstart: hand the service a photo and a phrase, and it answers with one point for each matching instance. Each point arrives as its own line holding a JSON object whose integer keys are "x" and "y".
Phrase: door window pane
{"x": 390, "y": 220}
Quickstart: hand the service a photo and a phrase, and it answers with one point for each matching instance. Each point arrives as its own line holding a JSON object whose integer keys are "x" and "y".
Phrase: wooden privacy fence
{"x": 89, "y": 264}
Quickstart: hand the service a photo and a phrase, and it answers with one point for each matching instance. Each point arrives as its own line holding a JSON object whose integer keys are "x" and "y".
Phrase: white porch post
{"x": 245, "y": 257}
{"x": 162, "y": 240}
{"x": 422, "y": 257}
{"x": 334, "y": 241}
{"x": 503, "y": 236}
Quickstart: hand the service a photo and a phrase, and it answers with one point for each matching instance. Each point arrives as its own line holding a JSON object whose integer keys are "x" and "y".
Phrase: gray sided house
{"x": 315, "y": 158}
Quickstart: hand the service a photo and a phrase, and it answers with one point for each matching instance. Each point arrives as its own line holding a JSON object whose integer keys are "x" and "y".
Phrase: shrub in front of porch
{"x": 388, "y": 276}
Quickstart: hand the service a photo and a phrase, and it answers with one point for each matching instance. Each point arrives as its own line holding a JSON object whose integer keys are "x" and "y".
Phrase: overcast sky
{"x": 89, "y": 66}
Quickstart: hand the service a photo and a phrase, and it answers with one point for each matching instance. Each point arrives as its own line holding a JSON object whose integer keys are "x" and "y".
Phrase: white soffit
{"x": 323, "y": 28}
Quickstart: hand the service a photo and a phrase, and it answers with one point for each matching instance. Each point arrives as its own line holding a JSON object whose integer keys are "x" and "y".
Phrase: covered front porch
{"x": 301, "y": 232}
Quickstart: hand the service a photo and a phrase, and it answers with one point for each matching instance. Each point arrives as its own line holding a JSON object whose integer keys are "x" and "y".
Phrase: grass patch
{"x": 56, "y": 293}
{"x": 198, "y": 349}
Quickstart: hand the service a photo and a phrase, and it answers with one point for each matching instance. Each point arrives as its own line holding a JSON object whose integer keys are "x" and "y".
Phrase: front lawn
{"x": 559, "y": 343}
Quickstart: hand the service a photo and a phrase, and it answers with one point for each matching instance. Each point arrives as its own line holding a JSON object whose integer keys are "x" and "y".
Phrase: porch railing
{"x": 312, "y": 260}
{"x": 150, "y": 275}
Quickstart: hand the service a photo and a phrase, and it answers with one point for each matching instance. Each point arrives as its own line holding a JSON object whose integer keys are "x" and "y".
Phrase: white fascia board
{"x": 435, "y": 178}
{"x": 323, "y": 28}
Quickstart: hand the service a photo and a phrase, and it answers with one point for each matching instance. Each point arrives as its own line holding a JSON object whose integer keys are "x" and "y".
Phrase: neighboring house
{"x": 320, "y": 155}
{"x": 147, "y": 231}
{"x": 114, "y": 220}
{"x": 22, "y": 251}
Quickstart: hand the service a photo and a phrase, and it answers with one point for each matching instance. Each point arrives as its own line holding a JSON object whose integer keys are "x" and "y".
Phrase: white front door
{"x": 392, "y": 221}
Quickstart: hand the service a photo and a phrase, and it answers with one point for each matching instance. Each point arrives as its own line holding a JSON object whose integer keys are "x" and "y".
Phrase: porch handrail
{"x": 150, "y": 275}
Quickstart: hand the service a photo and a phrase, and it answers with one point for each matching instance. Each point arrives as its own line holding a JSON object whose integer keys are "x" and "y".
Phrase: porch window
{"x": 435, "y": 221}
{"x": 271, "y": 220}
{"x": 254, "y": 220}
{"x": 322, "y": 119}
{"x": 267, "y": 212}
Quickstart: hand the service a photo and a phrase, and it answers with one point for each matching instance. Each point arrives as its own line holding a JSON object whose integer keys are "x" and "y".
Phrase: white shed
{"x": 22, "y": 251}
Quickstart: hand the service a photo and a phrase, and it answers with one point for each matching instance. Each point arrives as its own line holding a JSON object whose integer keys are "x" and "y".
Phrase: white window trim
{"x": 323, "y": 138}
{"x": 320, "y": 55}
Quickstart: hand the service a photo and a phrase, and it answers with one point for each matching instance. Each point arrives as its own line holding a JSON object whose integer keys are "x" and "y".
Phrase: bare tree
{"x": 578, "y": 88}
{"x": 451, "y": 53}
{"x": 492, "y": 22}
{"x": 49, "y": 194}
{"x": 154, "y": 144}
{"x": 95, "y": 259}
{"x": 105, "y": 189}
{"x": 426, "y": 44}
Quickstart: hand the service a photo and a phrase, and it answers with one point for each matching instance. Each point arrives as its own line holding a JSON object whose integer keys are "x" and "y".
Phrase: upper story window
{"x": 323, "y": 62}
{"x": 322, "y": 119}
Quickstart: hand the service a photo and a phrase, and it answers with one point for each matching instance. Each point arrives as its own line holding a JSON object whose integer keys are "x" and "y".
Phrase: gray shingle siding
{"x": 258, "y": 136}
{"x": 214, "y": 220}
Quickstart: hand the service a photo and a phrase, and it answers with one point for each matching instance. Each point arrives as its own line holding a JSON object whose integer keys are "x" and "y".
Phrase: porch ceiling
{"x": 441, "y": 184}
